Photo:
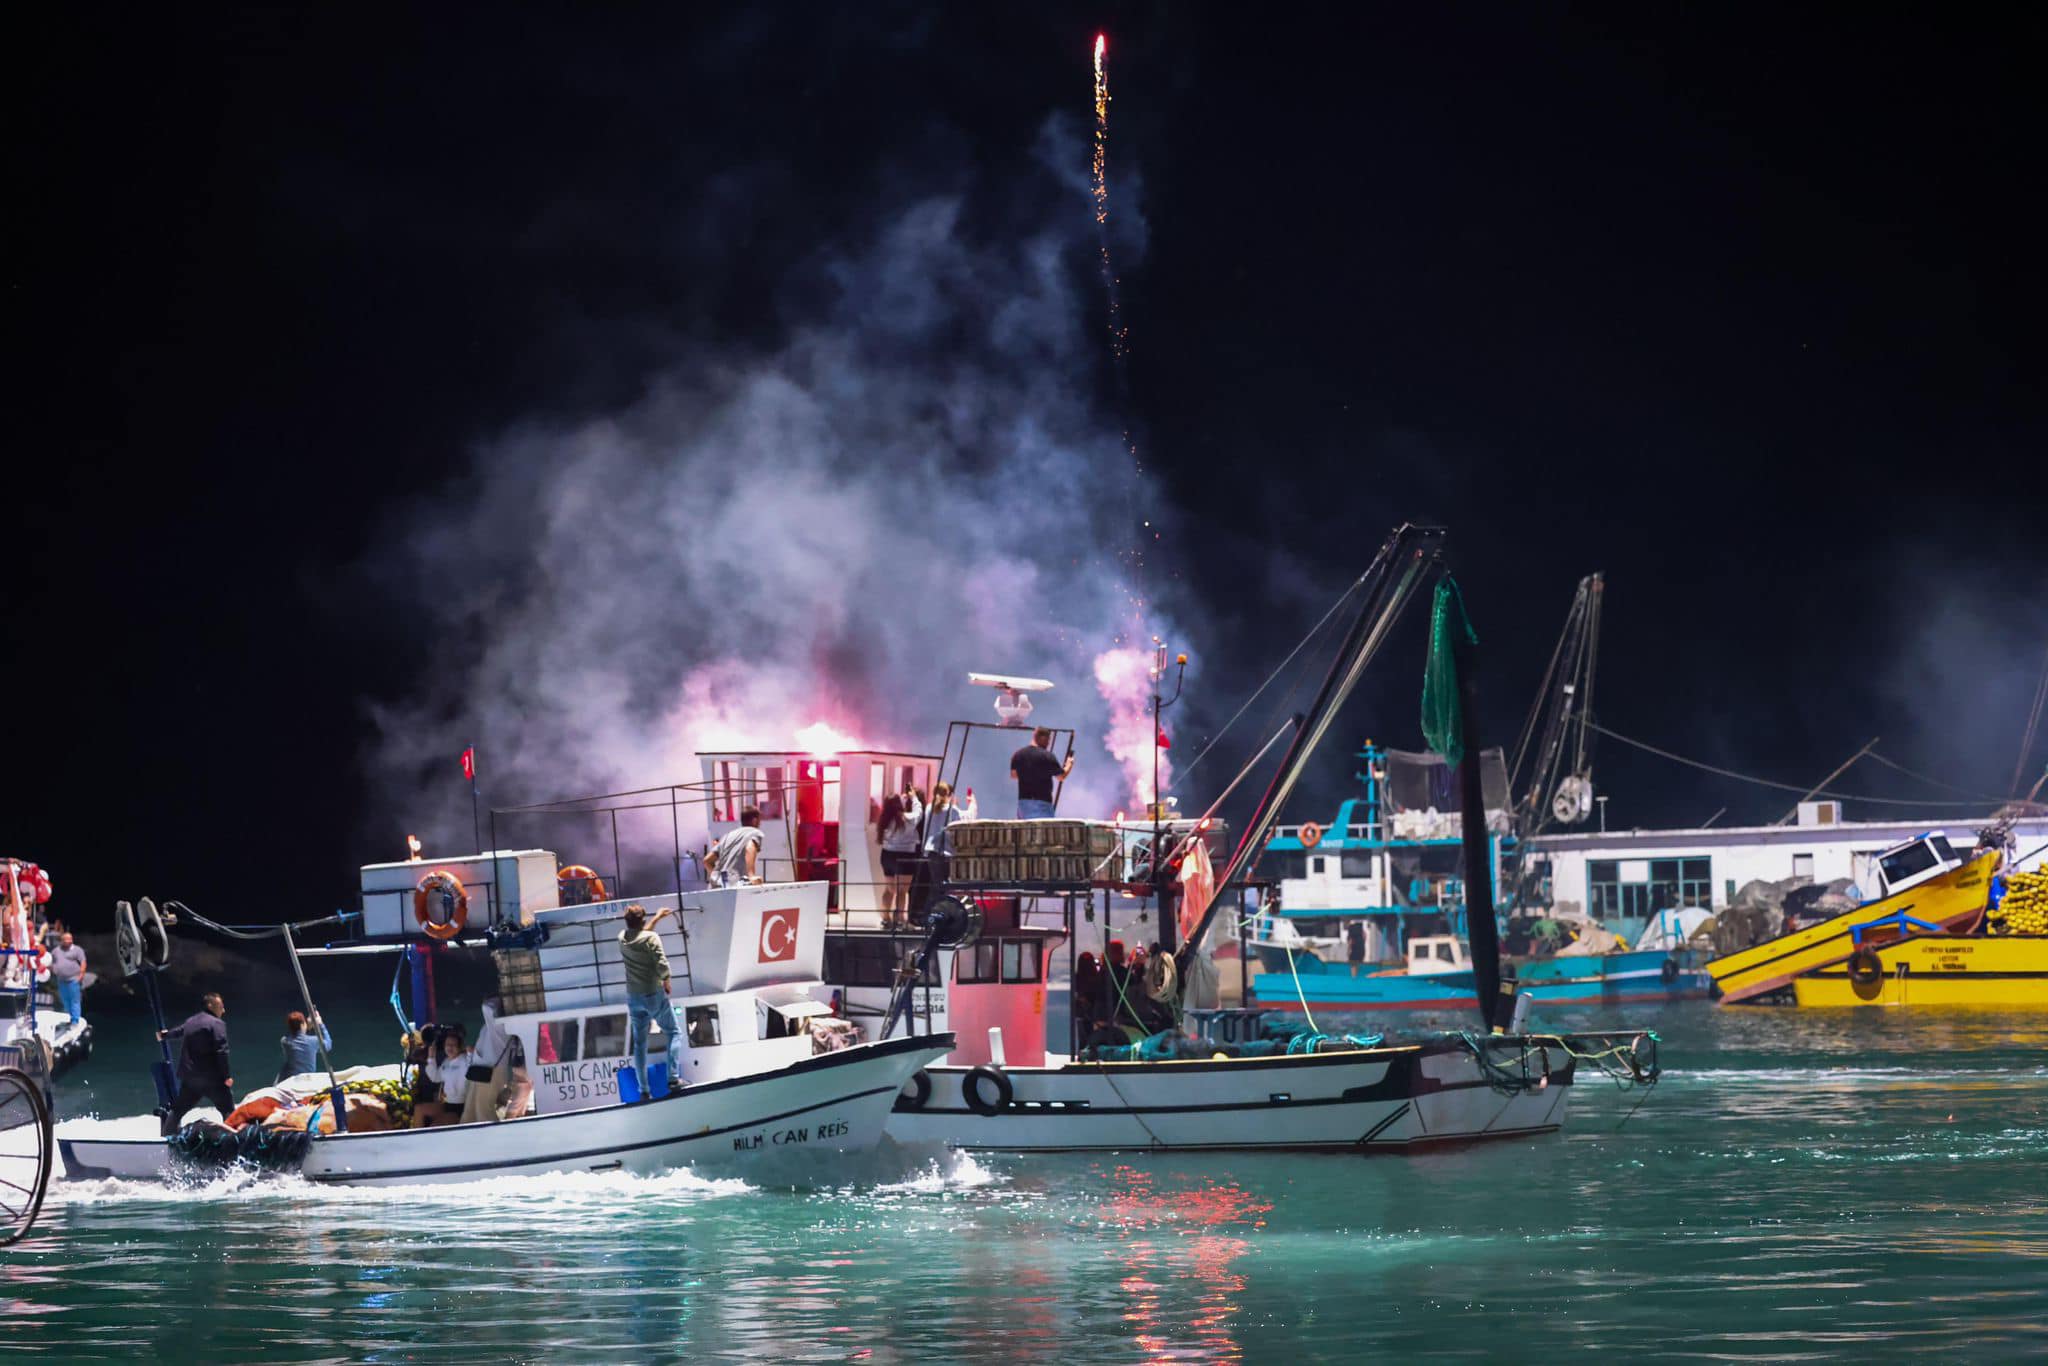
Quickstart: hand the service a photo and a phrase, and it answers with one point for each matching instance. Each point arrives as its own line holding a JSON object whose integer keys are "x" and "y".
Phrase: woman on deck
{"x": 898, "y": 825}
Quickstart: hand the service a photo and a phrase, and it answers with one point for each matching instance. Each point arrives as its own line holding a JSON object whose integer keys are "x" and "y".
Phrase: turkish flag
{"x": 1164, "y": 743}
{"x": 778, "y": 935}
{"x": 469, "y": 763}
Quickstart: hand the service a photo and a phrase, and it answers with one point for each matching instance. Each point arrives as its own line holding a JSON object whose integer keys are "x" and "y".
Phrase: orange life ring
{"x": 454, "y": 898}
{"x": 593, "y": 888}
{"x": 1311, "y": 835}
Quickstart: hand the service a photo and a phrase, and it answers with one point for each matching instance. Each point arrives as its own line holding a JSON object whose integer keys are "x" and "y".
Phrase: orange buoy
{"x": 1311, "y": 835}
{"x": 446, "y": 889}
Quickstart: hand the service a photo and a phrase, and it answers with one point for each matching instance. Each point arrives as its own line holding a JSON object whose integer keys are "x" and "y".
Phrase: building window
{"x": 1639, "y": 888}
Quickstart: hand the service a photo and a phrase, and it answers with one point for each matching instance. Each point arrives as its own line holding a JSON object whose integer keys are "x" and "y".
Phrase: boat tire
{"x": 971, "y": 1092}
{"x": 1669, "y": 972}
{"x": 1865, "y": 967}
{"x": 916, "y": 1092}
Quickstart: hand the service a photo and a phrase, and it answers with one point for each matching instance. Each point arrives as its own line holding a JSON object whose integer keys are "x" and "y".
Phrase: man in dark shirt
{"x": 203, "y": 1074}
{"x": 1035, "y": 768}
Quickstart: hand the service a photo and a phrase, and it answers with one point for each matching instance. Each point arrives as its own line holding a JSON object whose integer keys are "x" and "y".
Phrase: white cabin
{"x": 819, "y": 813}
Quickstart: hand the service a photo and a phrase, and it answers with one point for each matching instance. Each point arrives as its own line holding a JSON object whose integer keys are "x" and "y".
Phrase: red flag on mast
{"x": 469, "y": 763}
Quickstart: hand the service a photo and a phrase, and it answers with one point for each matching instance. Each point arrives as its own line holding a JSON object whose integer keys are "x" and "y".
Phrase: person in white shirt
{"x": 449, "y": 1067}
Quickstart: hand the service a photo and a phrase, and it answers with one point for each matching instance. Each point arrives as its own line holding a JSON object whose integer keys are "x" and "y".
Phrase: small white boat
{"x": 760, "y": 1060}
{"x": 831, "y": 1102}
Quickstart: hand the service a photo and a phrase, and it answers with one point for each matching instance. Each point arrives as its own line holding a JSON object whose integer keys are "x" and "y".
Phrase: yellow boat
{"x": 1925, "y": 880}
{"x": 1938, "y": 970}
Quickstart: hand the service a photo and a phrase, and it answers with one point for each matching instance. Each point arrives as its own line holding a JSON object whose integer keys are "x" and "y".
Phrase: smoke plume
{"x": 911, "y": 482}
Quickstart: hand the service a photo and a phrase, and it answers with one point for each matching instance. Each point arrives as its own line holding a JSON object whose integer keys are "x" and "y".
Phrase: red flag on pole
{"x": 469, "y": 763}
{"x": 1164, "y": 743}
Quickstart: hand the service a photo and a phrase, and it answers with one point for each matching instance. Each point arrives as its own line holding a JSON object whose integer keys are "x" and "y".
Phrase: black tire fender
{"x": 916, "y": 1092}
{"x": 1865, "y": 967}
{"x": 971, "y": 1090}
{"x": 1669, "y": 972}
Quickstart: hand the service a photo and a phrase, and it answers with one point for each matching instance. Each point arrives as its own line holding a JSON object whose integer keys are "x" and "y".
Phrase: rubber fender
{"x": 971, "y": 1090}
{"x": 1865, "y": 967}
{"x": 1669, "y": 972}
{"x": 916, "y": 1092}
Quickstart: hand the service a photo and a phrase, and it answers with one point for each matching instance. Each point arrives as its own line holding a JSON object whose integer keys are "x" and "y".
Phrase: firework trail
{"x": 1119, "y": 339}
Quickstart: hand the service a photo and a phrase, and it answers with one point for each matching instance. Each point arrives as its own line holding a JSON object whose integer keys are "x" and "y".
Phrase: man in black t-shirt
{"x": 1035, "y": 769}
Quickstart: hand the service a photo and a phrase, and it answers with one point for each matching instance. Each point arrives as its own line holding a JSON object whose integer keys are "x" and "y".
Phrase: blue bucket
{"x": 629, "y": 1082}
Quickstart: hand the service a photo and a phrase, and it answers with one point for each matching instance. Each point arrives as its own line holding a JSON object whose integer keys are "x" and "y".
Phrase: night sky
{"x": 1739, "y": 305}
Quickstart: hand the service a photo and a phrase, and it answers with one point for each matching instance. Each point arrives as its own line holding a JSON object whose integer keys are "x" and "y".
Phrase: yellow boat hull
{"x": 2006, "y": 971}
{"x": 1952, "y": 901}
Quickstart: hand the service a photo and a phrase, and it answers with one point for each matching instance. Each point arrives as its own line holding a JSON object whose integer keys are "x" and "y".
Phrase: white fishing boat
{"x": 761, "y": 1065}
{"x": 1216, "y": 1078}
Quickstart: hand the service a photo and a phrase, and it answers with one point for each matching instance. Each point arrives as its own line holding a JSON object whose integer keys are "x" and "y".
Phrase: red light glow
{"x": 824, "y": 740}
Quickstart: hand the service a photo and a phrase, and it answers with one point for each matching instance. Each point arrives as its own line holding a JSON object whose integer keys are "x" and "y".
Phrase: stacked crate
{"x": 519, "y": 984}
{"x": 1055, "y": 851}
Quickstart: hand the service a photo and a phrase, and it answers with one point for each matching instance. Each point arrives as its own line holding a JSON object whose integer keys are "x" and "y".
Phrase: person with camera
{"x": 450, "y": 1064}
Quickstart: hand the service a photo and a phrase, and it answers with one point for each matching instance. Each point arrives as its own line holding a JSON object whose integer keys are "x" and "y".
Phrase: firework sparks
{"x": 1101, "y": 129}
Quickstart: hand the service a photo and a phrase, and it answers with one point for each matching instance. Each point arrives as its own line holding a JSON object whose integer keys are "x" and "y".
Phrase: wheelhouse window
{"x": 701, "y": 1022}
{"x": 978, "y": 962}
{"x": 1020, "y": 960}
{"x": 1355, "y": 865}
{"x": 604, "y": 1036}
{"x": 1915, "y": 858}
{"x": 1943, "y": 847}
{"x": 555, "y": 1041}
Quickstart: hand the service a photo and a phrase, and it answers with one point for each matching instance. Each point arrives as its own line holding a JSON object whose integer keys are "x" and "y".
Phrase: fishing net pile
{"x": 2024, "y": 907}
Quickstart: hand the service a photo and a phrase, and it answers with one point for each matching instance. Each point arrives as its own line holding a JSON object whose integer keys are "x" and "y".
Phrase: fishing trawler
{"x": 1925, "y": 886}
{"x": 1017, "y": 892}
{"x": 760, "y": 1066}
{"x": 2002, "y": 964}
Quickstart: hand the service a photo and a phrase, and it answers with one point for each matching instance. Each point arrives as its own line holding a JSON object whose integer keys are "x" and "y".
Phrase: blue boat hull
{"x": 1631, "y": 978}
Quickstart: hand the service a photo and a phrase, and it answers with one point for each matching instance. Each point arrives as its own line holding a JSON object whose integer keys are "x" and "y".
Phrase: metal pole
{"x": 1830, "y": 778}
{"x": 618, "y": 864}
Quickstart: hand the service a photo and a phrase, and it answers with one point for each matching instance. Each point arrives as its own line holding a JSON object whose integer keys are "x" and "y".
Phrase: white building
{"x": 1634, "y": 873}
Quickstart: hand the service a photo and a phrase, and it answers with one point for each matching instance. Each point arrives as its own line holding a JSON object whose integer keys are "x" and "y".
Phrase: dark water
{"x": 1801, "y": 1186}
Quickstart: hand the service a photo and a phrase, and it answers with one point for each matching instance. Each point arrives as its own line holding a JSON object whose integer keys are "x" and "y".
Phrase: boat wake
{"x": 555, "y": 1193}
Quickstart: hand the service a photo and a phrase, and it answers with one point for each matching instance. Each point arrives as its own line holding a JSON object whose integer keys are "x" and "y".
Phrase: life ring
{"x": 1162, "y": 975}
{"x": 580, "y": 883}
{"x": 1865, "y": 967}
{"x": 454, "y": 904}
{"x": 970, "y": 1090}
{"x": 916, "y": 1092}
{"x": 1311, "y": 835}
{"x": 1669, "y": 972}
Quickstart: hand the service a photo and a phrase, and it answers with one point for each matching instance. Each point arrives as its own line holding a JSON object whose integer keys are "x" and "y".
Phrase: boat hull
{"x": 1635, "y": 977}
{"x": 1951, "y": 901}
{"x": 1367, "y": 1100}
{"x": 833, "y": 1102}
{"x": 1337, "y": 989}
{"x": 2007, "y": 972}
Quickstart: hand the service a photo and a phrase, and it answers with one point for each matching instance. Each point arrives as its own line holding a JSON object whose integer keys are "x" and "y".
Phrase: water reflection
{"x": 1801, "y": 1184}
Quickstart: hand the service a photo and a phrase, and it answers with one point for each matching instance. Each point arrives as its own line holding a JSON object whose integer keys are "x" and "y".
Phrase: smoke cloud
{"x": 913, "y": 481}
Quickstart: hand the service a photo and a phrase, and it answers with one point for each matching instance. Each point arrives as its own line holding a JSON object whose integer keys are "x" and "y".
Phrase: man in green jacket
{"x": 647, "y": 989}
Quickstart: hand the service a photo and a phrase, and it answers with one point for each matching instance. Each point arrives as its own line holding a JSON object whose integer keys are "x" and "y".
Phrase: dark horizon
{"x": 329, "y": 315}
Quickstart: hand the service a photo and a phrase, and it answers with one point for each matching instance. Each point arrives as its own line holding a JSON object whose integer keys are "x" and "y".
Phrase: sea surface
{"x": 1801, "y": 1186}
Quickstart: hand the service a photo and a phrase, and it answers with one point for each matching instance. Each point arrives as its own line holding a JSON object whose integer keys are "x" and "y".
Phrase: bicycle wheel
{"x": 25, "y": 1152}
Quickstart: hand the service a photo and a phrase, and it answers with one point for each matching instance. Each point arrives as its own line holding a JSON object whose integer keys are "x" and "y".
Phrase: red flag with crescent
{"x": 469, "y": 763}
